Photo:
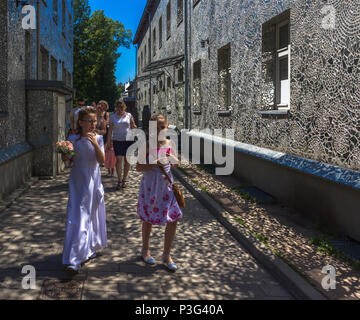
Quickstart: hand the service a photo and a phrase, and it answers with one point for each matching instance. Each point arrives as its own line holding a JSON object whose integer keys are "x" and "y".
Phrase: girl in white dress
{"x": 86, "y": 217}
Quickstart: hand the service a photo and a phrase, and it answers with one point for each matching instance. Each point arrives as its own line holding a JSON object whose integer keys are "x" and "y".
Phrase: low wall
{"x": 322, "y": 192}
{"x": 15, "y": 167}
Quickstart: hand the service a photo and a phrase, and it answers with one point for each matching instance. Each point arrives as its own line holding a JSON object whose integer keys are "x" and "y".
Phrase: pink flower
{"x": 156, "y": 209}
{"x": 166, "y": 198}
{"x": 143, "y": 196}
{"x": 174, "y": 215}
{"x": 152, "y": 201}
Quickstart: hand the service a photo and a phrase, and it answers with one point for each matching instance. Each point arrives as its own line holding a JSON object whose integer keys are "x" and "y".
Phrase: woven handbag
{"x": 177, "y": 192}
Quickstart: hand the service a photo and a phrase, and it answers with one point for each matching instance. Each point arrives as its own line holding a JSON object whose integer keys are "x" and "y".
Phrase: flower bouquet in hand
{"x": 66, "y": 149}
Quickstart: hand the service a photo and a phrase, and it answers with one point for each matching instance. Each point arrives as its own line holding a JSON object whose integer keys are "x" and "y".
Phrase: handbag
{"x": 177, "y": 192}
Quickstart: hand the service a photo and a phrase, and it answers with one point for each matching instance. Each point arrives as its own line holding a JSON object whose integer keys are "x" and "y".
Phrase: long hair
{"x": 82, "y": 114}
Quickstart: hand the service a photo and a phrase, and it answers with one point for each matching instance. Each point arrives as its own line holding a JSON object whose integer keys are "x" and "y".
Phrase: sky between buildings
{"x": 129, "y": 13}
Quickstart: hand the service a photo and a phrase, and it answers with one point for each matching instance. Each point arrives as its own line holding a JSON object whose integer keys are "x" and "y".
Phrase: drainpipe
{"x": 136, "y": 74}
{"x": 38, "y": 58}
{"x": 150, "y": 54}
{"x": 190, "y": 47}
{"x": 186, "y": 67}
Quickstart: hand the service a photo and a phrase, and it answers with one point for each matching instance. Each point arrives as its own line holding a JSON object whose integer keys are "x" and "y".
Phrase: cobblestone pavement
{"x": 212, "y": 264}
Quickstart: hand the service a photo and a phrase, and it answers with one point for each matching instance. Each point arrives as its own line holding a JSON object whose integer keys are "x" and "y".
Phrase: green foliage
{"x": 97, "y": 39}
{"x": 323, "y": 246}
{"x": 244, "y": 195}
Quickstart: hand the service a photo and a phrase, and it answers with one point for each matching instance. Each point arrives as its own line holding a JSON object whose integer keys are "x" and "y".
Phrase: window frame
{"x": 282, "y": 54}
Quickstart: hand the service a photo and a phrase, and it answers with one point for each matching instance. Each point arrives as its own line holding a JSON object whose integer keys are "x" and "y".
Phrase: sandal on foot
{"x": 118, "y": 186}
{"x": 170, "y": 265}
{"x": 149, "y": 260}
{"x": 123, "y": 184}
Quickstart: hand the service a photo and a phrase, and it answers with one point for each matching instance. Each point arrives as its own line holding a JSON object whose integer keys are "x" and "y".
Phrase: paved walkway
{"x": 212, "y": 264}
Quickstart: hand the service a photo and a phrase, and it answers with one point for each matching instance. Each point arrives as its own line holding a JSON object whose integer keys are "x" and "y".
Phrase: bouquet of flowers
{"x": 65, "y": 148}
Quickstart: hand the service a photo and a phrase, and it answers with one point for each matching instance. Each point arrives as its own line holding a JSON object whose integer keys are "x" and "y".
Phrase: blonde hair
{"x": 105, "y": 103}
{"x": 82, "y": 114}
{"x": 156, "y": 117}
{"x": 121, "y": 103}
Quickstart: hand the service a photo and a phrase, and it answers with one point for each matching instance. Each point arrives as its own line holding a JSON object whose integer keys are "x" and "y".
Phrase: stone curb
{"x": 9, "y": 200}
{"x": 294, "y": 283}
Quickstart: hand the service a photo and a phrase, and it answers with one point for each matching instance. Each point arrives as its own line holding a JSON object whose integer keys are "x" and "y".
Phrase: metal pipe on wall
{"x": 186, "y": 67}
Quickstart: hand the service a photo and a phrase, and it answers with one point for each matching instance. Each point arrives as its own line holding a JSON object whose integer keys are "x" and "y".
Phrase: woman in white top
{"x": 121, "y": 122}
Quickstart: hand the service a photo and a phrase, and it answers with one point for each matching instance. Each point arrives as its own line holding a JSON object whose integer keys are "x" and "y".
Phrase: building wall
{"x": 322, "y": 122}
{"x": 163, "y": 101}
{"x": 31, "y": 121}
{"x": 56, "y": 40}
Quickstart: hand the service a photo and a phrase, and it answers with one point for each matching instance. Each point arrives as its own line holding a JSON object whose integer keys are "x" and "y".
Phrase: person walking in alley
{"x": 120, "y": 124}
{"x": 86, "y": 216}
{"x": 157, "y": 204}
{"x": 74, "y": 115}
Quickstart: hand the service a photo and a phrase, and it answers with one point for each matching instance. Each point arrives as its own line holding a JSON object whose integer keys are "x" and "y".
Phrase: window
{"x": 149, "y": 46}
{"x": 276, "y": 62}
{"x": 139, "y": 61}
{"x": 44, "y": 63}
{"x": 195, "y": 2}
{"x": 63, "y": 72}
{"x": 154, "y": 42}
{"x": 197, "y": 84}
{"x": 55, "y": 10}
{"x": 160, "y": 32}
{"x": 145, "y": 55}
{"x": 63, "y": 23}
{"x": 180, "y": 11}
{"x": 27, "y": 54}
{"x": 180, "y": 75}
{"x": 54, "y": 67}
{"x": 224, "y": 76}
{"x": 168, "y": 20}
{"x": 168, "y": 82}
{"x": 142, "y": 61}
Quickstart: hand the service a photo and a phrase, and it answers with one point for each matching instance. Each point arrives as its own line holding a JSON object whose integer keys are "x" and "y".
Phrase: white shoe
{"x": 93, "y": 256}
{"x": 74, "y": 269}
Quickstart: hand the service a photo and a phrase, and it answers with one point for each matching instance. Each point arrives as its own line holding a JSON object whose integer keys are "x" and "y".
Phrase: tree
{"x": 121, "y": 88}
{"x": 82, "y": 14}
{"x": 98, "y": 41}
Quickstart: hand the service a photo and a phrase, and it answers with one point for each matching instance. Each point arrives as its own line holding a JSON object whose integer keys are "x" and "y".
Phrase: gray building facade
{"x": 285, "y": 76}
{"x": 36, "y": 87}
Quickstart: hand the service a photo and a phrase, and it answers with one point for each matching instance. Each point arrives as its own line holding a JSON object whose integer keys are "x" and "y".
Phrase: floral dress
{"x": 157, "y": 203}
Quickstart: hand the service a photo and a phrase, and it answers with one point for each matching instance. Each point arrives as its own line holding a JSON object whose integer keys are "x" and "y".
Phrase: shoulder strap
{"x": 166, "y": 175}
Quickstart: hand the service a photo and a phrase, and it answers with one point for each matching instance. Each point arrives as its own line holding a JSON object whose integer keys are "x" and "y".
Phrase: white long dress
{"x": 86, "y": 216}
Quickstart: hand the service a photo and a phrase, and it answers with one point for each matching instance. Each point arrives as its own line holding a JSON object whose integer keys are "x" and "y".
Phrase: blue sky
{"x": 129, "y": 13}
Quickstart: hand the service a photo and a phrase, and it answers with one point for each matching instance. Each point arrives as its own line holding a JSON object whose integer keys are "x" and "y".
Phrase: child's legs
{"x": 170, "y": 232}
{"x": 146, "y": 232}
{"x": 126, "y": 168}
{"x": 119, "y": 167}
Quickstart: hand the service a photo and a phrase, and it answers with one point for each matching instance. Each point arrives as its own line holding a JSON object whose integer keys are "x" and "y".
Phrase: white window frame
{"x": 282, "y": 53}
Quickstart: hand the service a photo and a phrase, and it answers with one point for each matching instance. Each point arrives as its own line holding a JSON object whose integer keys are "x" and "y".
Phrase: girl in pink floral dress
{"x": 157, "y": 204}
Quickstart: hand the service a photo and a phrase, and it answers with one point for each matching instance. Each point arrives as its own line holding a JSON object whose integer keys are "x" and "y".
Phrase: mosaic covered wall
{"x": 323, "y": 122}
{"x": 12, "y": 126}
{"x": 169, "y": 100}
